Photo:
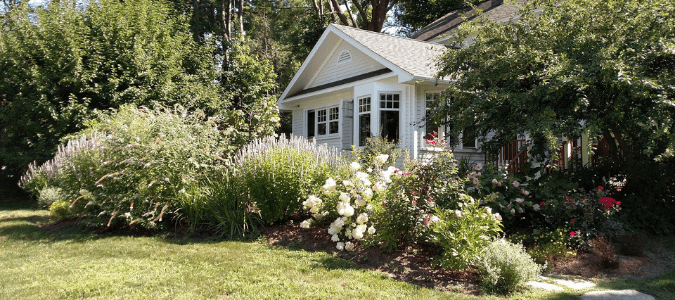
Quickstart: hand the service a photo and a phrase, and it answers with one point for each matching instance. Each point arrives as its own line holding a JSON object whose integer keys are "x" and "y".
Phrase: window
{"x": 432, "y": 127}
{"x": 364, "y": 120}
{"x": 324, "y": 120}
{"x": 389, "y": 116}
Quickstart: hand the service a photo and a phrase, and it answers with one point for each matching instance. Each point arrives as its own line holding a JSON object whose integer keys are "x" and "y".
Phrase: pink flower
{"x": 572, "y": 233}
{"x": 516, "y": 184}
{"x": 431, "y": 199}
{"x": 568, "y": 199}
{"x": 600, "y": 187}
{"x": 608, "y": 202}
{"x": 572, "y": 220}
{"x": 542, "y": 203}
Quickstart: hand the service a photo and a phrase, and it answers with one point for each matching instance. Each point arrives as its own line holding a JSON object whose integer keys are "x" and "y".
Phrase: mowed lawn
{"x": 70, "y": 263}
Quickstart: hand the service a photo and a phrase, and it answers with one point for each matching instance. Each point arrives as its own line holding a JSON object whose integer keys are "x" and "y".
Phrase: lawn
{"x": 67, "y": 262}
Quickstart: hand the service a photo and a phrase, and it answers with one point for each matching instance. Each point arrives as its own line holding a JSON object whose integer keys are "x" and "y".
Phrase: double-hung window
{"x": 466, "y": 140}
{"x": 364, "y": 120}
{"x": 389, "y": 116}
{"x": 323, "y": 121}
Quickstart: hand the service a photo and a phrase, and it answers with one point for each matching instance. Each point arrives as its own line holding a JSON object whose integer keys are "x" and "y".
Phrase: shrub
{"x": 134, "y": 166}
{"x": 464, "y": 233}
{"x": 60, "y": 210}
{"x": 376, "y": 146}
{"x": 349, "y": 204}
{"x": 49, "y": 195}
{"x": 279, "y": 174}
{"x": 408, "y": 208}
{"x": 505, "y": 267}
{"x": 545, "y": 245}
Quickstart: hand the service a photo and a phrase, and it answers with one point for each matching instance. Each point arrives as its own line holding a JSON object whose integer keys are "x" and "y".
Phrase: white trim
{"x": 335, "y": 88}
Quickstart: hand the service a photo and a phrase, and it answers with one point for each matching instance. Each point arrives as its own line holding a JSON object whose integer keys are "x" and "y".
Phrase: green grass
{"x": 70, "y": 263}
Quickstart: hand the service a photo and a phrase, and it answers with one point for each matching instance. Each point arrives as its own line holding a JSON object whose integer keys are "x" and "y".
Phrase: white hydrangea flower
{"x": 361, "y": 175}
{"x": 360, "y": 201}
{"x": 513, "y": 211}
{"x": 488, "y": 210}
{"x": 519, "y": 200}
{"x": 498, "y": 216}
{"x": 494, "y": 181}
{"x": 362, "y": 218}
{"x": 371, "y": 230}
{"x": 367, "y": 193}
{"x": 435, "y": 219}
{"x": 349, "y": 211}
{"x": 387, "y": 173}
{"x": 340, "y": 246}
{"x": 536, "y": 207}
{"x": 369, "y": 170}
{"x": 458, "y": 213}
{"x": 358, "y": 232}
{"x": 344, "y": 197}
{"x": 379, "y": 187}
{"x": 330, "y": 184}
{"x": 335, "y": 238}
{"x": 366, "y": 182}
{"x": 349, "y": 246}
{"x": 381, "y": 159}
{"x": 304, "y": 224}
{"x": 347, "y": 183}
{"x": 355, "y": 165}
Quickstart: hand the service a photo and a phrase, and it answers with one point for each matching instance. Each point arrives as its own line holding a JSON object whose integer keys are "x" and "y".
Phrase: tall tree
{"x": 573, "y": 67}
{"x": 365, "y": 14}
{"x": 59, "y": 63}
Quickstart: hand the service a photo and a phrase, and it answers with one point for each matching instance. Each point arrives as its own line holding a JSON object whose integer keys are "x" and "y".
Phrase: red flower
{"x": 431, "y": 199}
{"x": 568, "y": 199}
{"x": 608, "y": 202}
{"x": 542, "y": 203}
{"x": 618, "y": 202}
{"x": 572, "y": 233}
{"x": 600, "y": 187}
{"x": 572, "y": 220}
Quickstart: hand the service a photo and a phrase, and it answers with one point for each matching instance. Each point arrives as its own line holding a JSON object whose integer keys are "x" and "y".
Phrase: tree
{"x": 58, "y": 63}
{"x": 364, "y": 14}
{"x": 568, "y": 68}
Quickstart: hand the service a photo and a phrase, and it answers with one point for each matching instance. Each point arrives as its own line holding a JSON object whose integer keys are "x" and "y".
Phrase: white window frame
{"x": 441, "y": 130}
{"x": 330, "y": 117}
{"x": 364, "y": 112}
{"x": 381, "y": 109}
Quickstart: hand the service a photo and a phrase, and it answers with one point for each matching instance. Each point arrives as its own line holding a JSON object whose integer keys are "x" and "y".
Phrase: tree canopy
{"x": 60, "y": 62}
{"x": 567, "y": 68}
{"x": 412, "y": 15}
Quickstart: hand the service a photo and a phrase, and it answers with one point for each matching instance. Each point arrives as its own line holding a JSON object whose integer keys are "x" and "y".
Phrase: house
{"x": 357, "y": 83}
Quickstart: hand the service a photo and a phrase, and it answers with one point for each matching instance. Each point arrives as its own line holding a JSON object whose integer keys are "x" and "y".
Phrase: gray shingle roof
{"x": 494, "y": 10}
{"x": 413, "y": 56}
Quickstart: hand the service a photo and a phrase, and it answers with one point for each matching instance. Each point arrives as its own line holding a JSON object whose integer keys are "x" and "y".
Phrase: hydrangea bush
{"x": 347, "y": 203}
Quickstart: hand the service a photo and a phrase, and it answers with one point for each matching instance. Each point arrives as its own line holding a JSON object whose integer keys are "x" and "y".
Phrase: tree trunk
{"x": 240, "y": 14}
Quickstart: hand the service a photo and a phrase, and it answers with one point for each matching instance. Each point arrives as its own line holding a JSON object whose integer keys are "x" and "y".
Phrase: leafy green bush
{"x": 60, "y": 210}
{"x": 134, "y": 167}
{"x": 545, "y": 245}
{"x": 408, "y": 208}
{"x": 464, "y": 233}
{"x": 49, "y": 195}
{"x": 280, "y": 173}
{"x": 505, "y": 267}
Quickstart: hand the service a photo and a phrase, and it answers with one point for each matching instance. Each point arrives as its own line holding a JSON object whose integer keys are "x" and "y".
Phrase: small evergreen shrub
{"x": 505, "y": 267}
{"x": 49, "y": 195}
{"x": 60, "y": 210}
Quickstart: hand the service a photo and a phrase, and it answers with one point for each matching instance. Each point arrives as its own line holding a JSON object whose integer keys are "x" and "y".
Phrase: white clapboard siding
{"x": 358, "y": 64}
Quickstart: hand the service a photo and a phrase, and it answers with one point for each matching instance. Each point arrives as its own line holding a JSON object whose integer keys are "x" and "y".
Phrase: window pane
{"x": 364, "y": 128}
{"x": 389, "y": 121}
{"x": 468, "y": 138}
{"x": 321, "y": 115}
{"x": 364, "y": 104}
{"x": 334, "y": 113}
{"x": 333, "y": 127}
{"x": 322, "y": 128}
{"x": 310, "y": 123}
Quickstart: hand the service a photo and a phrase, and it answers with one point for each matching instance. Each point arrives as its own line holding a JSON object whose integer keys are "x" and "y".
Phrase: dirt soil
{"x": 413, "y": 264}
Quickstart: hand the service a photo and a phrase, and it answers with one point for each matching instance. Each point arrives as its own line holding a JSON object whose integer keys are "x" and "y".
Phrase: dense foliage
{"x": 505, "y": 267}
{"x": 575, "y": 68}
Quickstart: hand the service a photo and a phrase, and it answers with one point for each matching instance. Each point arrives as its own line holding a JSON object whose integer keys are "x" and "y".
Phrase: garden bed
{"x": 415, "y": 264}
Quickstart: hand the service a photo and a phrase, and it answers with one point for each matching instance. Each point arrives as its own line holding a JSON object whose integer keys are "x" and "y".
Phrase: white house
{"x": 356, "y": 83}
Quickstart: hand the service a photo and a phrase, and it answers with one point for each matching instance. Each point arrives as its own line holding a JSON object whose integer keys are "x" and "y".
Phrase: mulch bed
{"x": 414, "y": 263}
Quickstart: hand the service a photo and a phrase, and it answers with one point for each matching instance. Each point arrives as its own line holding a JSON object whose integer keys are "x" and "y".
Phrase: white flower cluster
{"x": 353, "y": 195}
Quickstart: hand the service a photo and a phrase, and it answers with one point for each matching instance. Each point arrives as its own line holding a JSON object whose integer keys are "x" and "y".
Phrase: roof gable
{"x": 407, "y": 58}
